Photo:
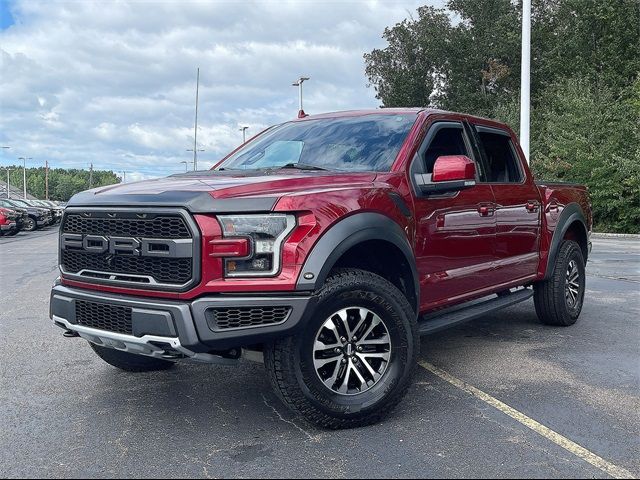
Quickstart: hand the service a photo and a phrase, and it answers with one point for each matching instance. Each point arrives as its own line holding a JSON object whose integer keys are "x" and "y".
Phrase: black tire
{"x": 30, "y": 224}
{"x": 12, "y": 233}
{"x": 130, "y": 362}
{"x": 290, "y": 361}
{"x": 555, "y": 304}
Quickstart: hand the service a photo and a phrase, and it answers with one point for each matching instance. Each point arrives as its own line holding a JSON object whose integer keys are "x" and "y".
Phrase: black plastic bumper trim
{"x": 188, "y": 318}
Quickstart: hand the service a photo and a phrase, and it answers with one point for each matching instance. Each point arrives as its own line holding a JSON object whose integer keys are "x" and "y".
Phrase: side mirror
{"x": 450, "y": 174}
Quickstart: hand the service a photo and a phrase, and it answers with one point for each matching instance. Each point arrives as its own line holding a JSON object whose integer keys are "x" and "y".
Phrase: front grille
{"x": 227, "y": 318}
{"x": 112, "y": 318}
{"x": 164, "y": 270}
{"x": 158, "y": 227}
{"x": 129, "y": 267}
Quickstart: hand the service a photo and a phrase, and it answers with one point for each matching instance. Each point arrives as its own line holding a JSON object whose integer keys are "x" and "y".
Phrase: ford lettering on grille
{"x": 146, "y": 247}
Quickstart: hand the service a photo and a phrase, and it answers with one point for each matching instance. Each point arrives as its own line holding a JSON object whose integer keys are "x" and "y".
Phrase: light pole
{"x": 24, "y": 174}
{"x": 8, "y": 186}
{"x": 525, "y": 78}
{"x": 298, "y": 83}
{"x": 195, "y": 162}
{"x": 195, "y": 129}
{"x": 244, "y": 134}
{"x": 186, "y": 165}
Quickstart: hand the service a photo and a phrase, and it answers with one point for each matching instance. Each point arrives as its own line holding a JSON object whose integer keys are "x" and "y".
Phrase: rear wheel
{"x": 559, "y": 299}
{"x": 354, "y": 361}
{"x": 130, "y": 362}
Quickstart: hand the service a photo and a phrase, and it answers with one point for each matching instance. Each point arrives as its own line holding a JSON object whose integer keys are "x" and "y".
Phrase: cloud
{"x": 113, "y": 83}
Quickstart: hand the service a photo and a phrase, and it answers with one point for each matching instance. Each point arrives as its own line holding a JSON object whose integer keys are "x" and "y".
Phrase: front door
{"x": 455, "y": 232}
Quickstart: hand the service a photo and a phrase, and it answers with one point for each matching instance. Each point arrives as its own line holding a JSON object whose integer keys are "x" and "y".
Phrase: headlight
{"x": 264, "y": 234}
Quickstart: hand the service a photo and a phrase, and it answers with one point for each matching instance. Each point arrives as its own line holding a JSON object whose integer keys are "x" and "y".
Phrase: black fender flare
{"x": 348, "y": 233}
{"x": 571, "y": 213}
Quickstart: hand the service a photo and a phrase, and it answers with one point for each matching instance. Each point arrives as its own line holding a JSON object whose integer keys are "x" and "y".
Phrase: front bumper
{"x": 167, "y": 329}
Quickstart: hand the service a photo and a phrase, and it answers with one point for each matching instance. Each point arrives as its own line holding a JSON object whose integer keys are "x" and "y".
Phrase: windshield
{"x": 363, "y": 143}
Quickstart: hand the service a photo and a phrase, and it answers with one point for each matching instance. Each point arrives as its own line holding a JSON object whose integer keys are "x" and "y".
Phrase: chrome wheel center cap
{"x": 352, "y": 350}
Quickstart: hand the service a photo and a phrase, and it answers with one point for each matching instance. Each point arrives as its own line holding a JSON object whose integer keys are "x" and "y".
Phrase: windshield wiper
{"x": 304, "y": 166}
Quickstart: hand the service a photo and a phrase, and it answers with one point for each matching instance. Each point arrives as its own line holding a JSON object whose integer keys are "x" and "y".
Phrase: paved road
{"x": 63, "y": 413}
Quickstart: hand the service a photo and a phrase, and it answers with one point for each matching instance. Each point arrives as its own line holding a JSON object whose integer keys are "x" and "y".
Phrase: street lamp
{"x": 244, "y": 132}
{"x": 24, "y": 174}
{"x": 525, "y": 78}
{"x": 298, "y": 83}
{"x": 195, "y": 161}
{"x": 186, "y": 168}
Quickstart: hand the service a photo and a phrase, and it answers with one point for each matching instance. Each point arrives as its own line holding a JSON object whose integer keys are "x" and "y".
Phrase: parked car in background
{"x": 38, "y": 217}
{"x": 37, "y": 204}
{"x": 22, "y": 216}
{"x": 56, "y": 211}
{"x": 8, "y": 225}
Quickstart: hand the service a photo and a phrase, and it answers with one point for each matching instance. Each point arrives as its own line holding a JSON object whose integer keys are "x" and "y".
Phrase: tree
{"x": 409, "y": 69}
{"x": 472, "y": 63}
{"x": 586, "y": 134}
{"x": 63, "y": 183}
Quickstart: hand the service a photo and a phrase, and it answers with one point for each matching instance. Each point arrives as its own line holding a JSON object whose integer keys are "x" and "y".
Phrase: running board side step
{"x": 457, "y": 315}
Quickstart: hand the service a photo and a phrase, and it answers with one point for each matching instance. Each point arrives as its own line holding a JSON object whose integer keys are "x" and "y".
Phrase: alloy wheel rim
{"x": 572, "y": 284}
{"x": 351, "y": 351}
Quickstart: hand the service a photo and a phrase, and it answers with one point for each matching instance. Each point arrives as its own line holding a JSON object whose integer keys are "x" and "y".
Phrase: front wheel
{"x": 354, "y": 361}
{"x": 30, "y": 224}
{"x": 559, "y": 299}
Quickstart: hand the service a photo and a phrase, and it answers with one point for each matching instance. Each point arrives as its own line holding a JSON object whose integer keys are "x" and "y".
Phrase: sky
{"x": 113, "y": 82}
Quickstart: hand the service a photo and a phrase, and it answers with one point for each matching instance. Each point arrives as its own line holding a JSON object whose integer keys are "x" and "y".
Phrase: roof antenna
{"x": 298, "y": 83}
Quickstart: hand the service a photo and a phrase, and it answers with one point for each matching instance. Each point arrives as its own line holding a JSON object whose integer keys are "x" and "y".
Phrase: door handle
{"x": 532, "y": 206}
{"x": 486, "y": 210}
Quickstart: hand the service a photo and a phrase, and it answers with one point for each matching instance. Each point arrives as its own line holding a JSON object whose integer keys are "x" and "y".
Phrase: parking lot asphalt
{"x": 64, "y": 413}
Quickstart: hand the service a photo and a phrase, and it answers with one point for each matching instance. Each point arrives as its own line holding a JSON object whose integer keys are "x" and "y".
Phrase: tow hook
{"x": 70, "y": 334}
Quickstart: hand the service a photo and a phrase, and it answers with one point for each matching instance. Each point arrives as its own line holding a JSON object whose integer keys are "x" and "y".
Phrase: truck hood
{"x": 215, "y": 191}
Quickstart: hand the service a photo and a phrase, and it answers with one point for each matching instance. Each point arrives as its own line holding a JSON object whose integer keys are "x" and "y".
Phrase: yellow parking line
{"x": 564, "y": 442}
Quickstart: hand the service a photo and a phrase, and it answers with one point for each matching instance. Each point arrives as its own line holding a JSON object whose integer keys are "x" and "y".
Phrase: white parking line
{"x": 570, "y": 446}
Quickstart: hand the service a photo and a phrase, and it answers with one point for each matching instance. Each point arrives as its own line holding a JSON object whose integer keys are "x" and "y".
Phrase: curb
{"x": 615, "y": 235}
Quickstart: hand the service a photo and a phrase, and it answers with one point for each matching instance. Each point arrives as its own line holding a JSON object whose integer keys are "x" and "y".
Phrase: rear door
{"x": 455, "y": 232}
{"x": 518, "y": 205}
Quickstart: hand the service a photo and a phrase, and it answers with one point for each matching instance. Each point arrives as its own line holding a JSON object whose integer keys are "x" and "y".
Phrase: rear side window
{"x": 501, "y": 163}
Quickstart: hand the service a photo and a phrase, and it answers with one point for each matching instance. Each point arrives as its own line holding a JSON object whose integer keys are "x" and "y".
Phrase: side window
{"x": 446, "y": 141}
{"x": 502, "y": 166}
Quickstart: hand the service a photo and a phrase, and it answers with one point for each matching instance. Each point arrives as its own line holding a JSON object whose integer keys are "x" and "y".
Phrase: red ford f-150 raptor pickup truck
{"x": 326, "y": 246}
